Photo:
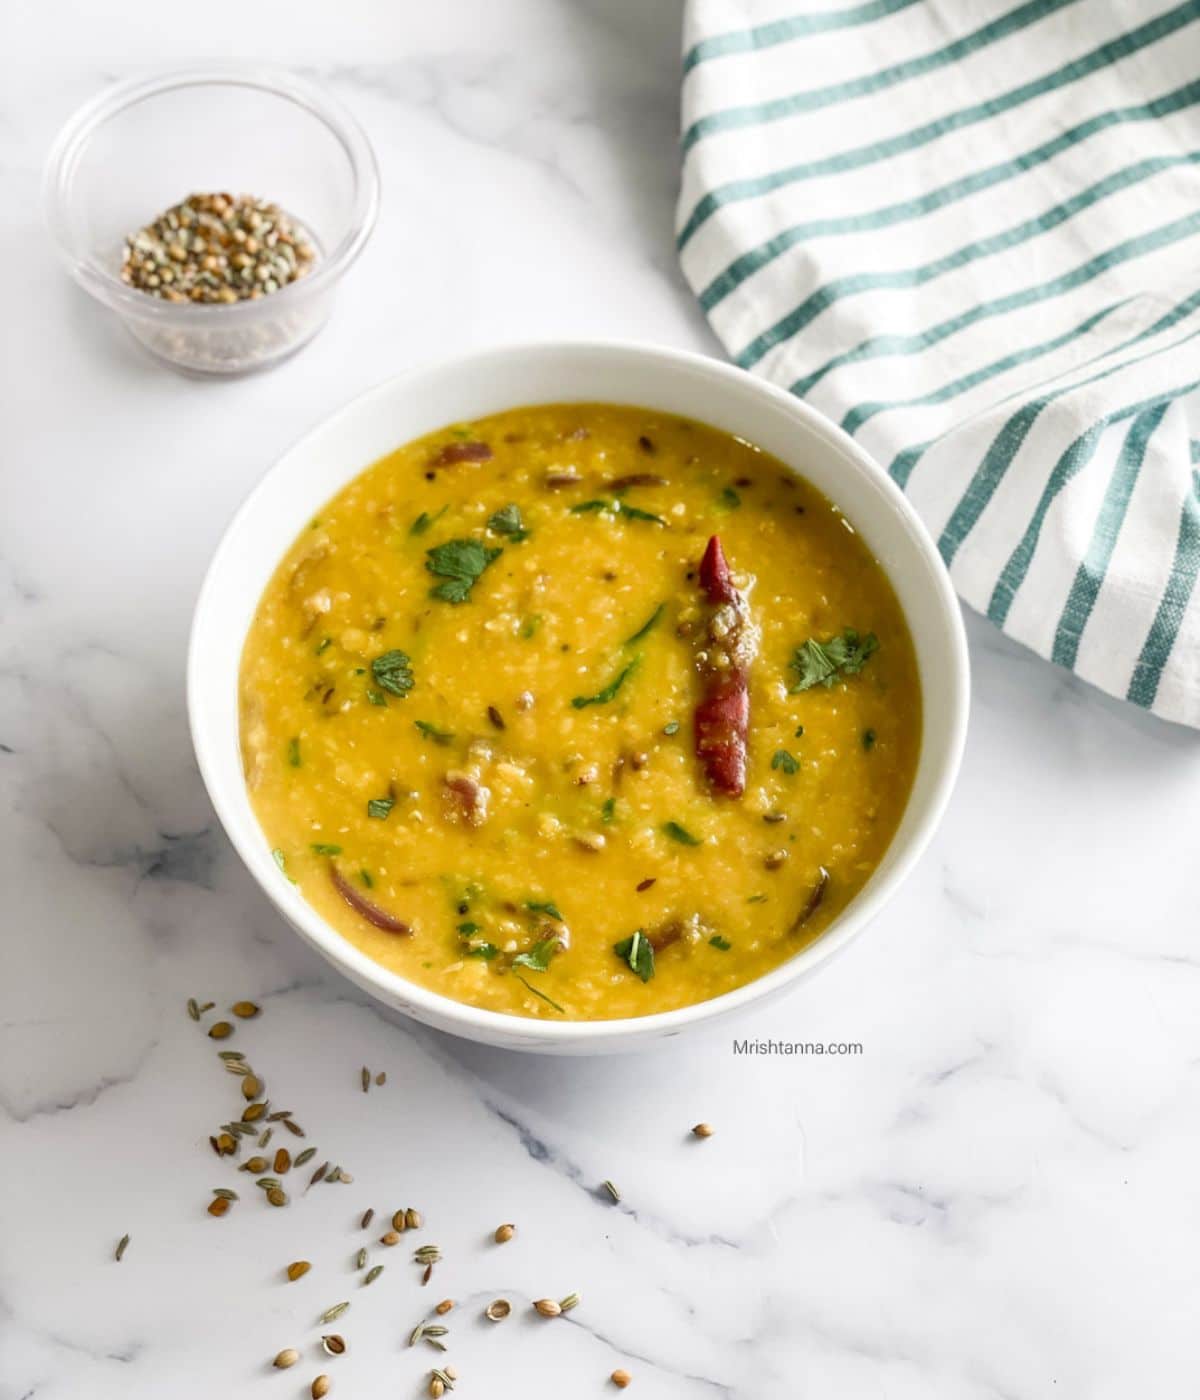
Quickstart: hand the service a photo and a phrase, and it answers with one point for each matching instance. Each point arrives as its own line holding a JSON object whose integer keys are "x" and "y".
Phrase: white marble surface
{"x": 998, "y": 1199}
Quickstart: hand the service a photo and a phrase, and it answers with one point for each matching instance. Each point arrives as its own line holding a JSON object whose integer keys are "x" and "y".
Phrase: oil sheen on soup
{"x": 579, "y": 711}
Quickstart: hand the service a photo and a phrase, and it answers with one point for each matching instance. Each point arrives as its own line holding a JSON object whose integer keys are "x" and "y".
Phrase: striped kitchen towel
{"x": 970, "y": 234}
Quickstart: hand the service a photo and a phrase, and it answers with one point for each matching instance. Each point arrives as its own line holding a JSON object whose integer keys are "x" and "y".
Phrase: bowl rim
{"x": 76, "y": 132}
{"x": 495, "y": 1027}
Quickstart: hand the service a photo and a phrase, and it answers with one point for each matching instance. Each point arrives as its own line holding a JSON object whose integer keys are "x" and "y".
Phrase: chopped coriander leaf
{"x": 324, "y": 848}
{"x": 531, "y": 625}
{"x": 729, "y": 499}
{"x": 623, "y": 508}
{"x": 782, "y": 759}
{"x": 671, "y": 727}
{"x": 376, "y": 697}
{"x": 648, "y": 626}
{"x": 868, "y": 739}
{"x": 757, "y": 899}
{"x": 293, "y": 753}
{"x": 538, "y": 957}
{"x": 379, "y": 807}
{"x": 393, "y": 672}
{"x": 467, "y": 928}
{"x": 507, "y": 521}
{"x": 585, "y": 506}
{"x": 486, "y": 951}
{"x": 324, "y": 644}
{"x": 718, "y": 942}
{"x": 680, "y": 834}
{"x": 543, "y": 906}
{"x": 365, "y": 877}
{"x": 431, "y": 731}
{"x": 608, "y": 811}
{"x": 822, "y": 663}
{"x": 280, "y": 860}
{"x": 424, "y": 521}
{"x": 529, "y": 987}
{"x": 460, "y": 563}
{"x": 602, "y": 697}
{"x": 638, "y": 952}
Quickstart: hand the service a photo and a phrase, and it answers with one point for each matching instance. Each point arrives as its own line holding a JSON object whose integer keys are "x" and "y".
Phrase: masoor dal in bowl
{"x": 579, "y": 712}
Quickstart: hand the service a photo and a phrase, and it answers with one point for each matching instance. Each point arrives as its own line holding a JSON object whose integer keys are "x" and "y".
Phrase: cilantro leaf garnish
{"x": 544, "y": 906}
{"x": 650, "y": 623}
{"x": 393, "y": 673}
{"x": 431, "y": 731}
{"x": 729, "y": 499}
{"x": 538, "y": 957}
{"x": 782, "y": 759}
{"x": 602, "y": 697}
{"x": 608, "y": 810}
{"x": 460, "y": 563}
{"x": 379, "y": 807}
{"x": 424, "y": 521}
{"x": 681, "y": 834}
{"x": 638, "y": 952}
{"x": 324, "y": 848}
{"x": 718, "y": 942}
{"x": 293, "y": 753}
{"x": 486, "y": 951}
{"x": 617, "y": 508}
{"x": 529, "y": 987}
{"x": 821, "y": 663}
{"x": 507, "y": 521}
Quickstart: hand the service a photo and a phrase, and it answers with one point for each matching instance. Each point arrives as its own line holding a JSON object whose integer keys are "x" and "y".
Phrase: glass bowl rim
{"x": 76, "y": 133}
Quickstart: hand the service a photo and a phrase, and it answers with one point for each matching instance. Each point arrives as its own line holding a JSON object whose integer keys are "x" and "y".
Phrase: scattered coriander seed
{"x": 392, "y": 1237}
{"x": 703, "y": 1130}
{"x": 218, "y": 1205}
{"x": 333, "y": 1313}
{"x": 244, "y": 1009}
{"x": 226, "y": 1144}
{"x": 437, "y": 1386}
{"x": 276, "y": 1196}
{"x": 497, "y": 1310}
{"x": 360, "y": 1259}
{"x": 255, "y": 1165}
{"x": 450, "y": 1373}
{"x": 253, "y": 1112}
{"x": 547, "y": 1307}
{"x": 412, "y": 1218}
{"x": 251, "y": 1086}
{"x": 298, "y": 1270}
{"x": 381, "y": 1078}
{"x": 620, "y": 1378}
{"x": 504, "y": 1233}
{"x": 220, "y": 1030}
{"x": 612, "y": 1190}
{"x": 320, "y": 1387}
{"x": 333, "y": 1344}
{"x": 122, "y": 1246}
{"x": 444, "y": 1307}
{"x": 398, "y": 1222}
{"x": 283, "y": 1161}
{"x": 287, "y": 1357}
{"x": 569, "y": 1302}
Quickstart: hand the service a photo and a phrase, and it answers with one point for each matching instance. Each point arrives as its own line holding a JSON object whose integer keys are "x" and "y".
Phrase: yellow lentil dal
{"x": 486, "y": 778}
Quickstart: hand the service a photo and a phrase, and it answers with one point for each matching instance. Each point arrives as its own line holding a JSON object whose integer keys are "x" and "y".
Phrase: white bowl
{"x": 329, "y": 456}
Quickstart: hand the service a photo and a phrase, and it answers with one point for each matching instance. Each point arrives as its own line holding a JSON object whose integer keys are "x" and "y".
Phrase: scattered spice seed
{"x": 392, "y": 1237}
{"x": 251, "y": 1085}
{"x": 279, "y": 1115}
{"x": 218, "y": 1206}
{"x": 620, "y": 1378}
{"x": 122, "y": 1246}
{"x": 333, "y": 1313}
{"x": 306, "y": 1156}
{"x": 569, "y": 1302}
{"x": 612, "y": 1190}
{"x": 437, "y": 1386}
{"x": 372, "y": 1274}
{"x": 206, "y": 1006}
{"x": 427, "y": 1275}
{"x": 298, "y": 1270}
{"x": 253, "y": 1112}
{"x": 193, "y": 1007}
{"x": 450, "y": 1373}
{"x": 412, "y": 1218}
{"x": 333, "y": 1345}
{"x": 703, "y": 1130}
{"x": 318, "y": 1174}
{"x": 294, "y": 1128}
{"x": 504, "y": 1233}
{"x": 244, "y": 1009}
{"x": 497, "y": 1310}
{"x": 366, "y": 1079}
{"x": 547, "y": 1307}
{"x": 283, "y": 1161}
{"x": 444, "y": 1307}
{"x": 320, "y": 1387}
{"x": 360, "y": 1259}
{"x": 287, "y": 1357}
{"x": 265, "y": 1137}
{"x": 427, "y": 1254}
{"x": 220, "y": 1030}
{"x": 381, "y": 1078}
{"x": 398, "y": 1222}
{"x": 254, "y": 1165}
{"x": 368, "y": 1216}
{"x": 229, "y": 1056}
{"x": 224, "y": 1193}
{"x": 276, "y": 1196}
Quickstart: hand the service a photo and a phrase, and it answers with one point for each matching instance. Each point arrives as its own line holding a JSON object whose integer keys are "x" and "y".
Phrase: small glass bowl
{"x": 145, "y": 145}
